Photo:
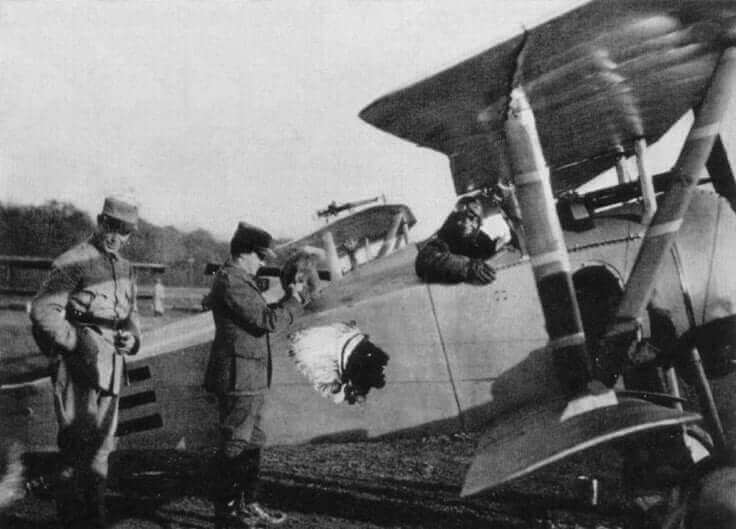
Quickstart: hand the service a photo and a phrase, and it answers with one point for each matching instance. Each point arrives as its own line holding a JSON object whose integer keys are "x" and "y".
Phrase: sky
{"x": 213, "y": 112}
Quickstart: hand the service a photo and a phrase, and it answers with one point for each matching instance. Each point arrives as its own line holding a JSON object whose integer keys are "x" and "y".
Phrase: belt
{"x": 108, "y": 323}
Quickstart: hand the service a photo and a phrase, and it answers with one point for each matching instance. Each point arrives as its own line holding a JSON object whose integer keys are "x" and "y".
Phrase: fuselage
{"x": 460, "y": 355}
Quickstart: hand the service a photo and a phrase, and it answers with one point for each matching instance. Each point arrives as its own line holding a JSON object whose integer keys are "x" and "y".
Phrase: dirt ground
{"x": 399, "y": 484}
{"x": 402, "y": 484}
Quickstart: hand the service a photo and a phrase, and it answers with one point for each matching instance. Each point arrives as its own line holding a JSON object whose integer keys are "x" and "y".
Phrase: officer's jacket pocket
{"x": 218, "y": 375}
{"x": 247, "y": 346}
{"x": 250, "y": 373}
{"x": 93, "y": 361}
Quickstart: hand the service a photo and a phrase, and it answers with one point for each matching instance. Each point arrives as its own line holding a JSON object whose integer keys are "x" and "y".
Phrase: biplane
{"x": 544, "y": 112}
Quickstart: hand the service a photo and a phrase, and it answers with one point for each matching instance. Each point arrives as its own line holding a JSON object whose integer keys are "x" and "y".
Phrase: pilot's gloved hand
{"x": 480, "y": 272}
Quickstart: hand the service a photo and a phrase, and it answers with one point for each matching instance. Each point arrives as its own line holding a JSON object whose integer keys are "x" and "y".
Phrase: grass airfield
{"x": 407, "y": 483}
{"x": 411, "y": 483}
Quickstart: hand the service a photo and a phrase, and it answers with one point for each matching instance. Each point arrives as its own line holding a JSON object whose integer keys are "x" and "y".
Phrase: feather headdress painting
{"x": 339, "y": 360}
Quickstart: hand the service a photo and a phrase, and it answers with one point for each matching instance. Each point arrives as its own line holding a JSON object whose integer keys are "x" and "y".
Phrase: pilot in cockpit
{"x": 458, "y": 252}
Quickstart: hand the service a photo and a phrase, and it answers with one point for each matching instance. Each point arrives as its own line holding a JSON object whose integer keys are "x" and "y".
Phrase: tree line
{"x": 53, "y": 227}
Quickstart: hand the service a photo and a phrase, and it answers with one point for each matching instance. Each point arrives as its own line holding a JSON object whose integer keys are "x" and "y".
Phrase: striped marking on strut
{"x": 664, "y": 228}
{"x": 547, "y": 258}
{"x": 568, "y": 341}
{"x": 528, "y": 177}
{"x": 706, "y": 131}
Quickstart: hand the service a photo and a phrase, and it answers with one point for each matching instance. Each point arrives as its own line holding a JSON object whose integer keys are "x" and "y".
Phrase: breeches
{"x": 240, "y": 423}
{"x": 87, "y": 423}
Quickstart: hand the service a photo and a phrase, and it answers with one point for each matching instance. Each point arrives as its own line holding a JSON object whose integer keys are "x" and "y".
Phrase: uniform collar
{"x": 237, "y": 270}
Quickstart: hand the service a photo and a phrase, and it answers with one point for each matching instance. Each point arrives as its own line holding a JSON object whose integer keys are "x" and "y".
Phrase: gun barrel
{"x": 362, "y": 202}
{"x": 334, "y": 209}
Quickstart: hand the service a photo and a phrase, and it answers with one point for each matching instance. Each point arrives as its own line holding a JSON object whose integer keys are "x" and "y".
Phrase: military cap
{"x": 249, "y": 238}
{"x": 121, "y": 209}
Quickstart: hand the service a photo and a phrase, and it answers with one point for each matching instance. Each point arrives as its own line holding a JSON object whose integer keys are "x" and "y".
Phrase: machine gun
{"x": 333, "y": 209}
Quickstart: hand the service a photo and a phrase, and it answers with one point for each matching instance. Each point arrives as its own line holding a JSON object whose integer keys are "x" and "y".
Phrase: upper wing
{"x": 598, "y": 78}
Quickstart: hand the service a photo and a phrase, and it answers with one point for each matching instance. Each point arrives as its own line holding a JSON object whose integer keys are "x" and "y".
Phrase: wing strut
{"x": 547, "y": 252}
{"x": 333, "y": 261}
{"x": 589, "y": 413}
{"x": 621, "y": 172}
{"x": 646, "y": 183}
{"x": 390, "y": 241}
{"x": 665, "y": 225}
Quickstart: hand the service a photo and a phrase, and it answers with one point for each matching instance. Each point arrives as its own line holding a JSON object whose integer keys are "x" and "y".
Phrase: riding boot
{"x": 69, "y": 499}
{"x": 225, "y": 494}
{"x": 95, "y": 488}
{"x": 227, "y": 515}
{"x": 248, "y": 469}
{"x": 249, "y": 466}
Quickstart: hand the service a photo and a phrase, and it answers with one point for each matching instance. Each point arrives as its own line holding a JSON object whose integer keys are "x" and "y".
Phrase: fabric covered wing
{"x": 598, "y": 78}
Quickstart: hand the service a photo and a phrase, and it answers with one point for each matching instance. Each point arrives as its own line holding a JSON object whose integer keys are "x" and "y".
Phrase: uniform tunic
{"x": 87, "y": 298}
{"x": 239, "y": 366}
{"x": 444, "y": 260}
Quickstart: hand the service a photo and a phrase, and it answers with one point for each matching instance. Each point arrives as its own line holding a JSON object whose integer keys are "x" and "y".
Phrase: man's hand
{"x": 501, "y": 192}
{"x": 298, "y": 292}
{"x": 480, "y": 272}
{"x": 124, "y": 342}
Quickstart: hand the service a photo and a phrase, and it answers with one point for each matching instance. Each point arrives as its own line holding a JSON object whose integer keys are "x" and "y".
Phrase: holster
{"x": 95, "y": 362}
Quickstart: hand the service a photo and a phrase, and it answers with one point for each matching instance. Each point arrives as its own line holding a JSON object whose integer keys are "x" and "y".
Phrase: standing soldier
{"x": 239, "y": 374}
{"x": 159, "y": 295}
{"x": 84, "y": 318}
